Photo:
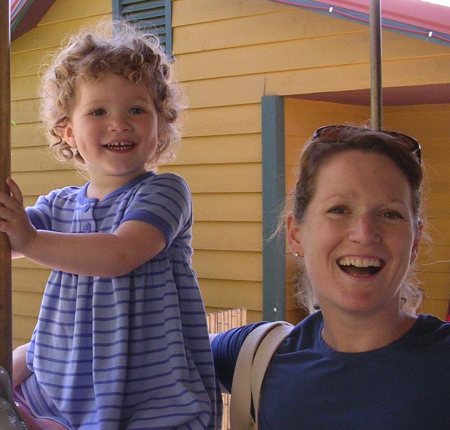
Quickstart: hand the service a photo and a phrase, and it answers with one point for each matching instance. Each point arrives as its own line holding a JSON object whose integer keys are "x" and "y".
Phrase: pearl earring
{"x": 295, "y": 254}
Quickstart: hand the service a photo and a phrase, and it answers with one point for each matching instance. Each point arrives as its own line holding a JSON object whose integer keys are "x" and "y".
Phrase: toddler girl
{"x": 121, "y": 340}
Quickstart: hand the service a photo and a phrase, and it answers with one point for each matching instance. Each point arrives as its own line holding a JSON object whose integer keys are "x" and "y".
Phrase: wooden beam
{"x": 5, "y": 168}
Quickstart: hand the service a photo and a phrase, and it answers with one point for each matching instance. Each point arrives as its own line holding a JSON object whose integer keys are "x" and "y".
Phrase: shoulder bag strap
{"x": 263, "y": 355}
{"x": 241, "y": 389}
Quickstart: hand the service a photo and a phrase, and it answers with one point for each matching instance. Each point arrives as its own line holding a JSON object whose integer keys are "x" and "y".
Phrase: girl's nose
{"x": 365, "y": 230}
{"x": 119, "y": 124}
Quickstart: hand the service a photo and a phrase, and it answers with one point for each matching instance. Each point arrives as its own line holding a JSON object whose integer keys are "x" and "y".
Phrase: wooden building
{"x": 260, "y": 76}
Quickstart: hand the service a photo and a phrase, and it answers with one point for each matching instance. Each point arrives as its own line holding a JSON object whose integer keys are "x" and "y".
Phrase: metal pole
{"x": 376, "y": 94}
{"x": 5, "y": 169}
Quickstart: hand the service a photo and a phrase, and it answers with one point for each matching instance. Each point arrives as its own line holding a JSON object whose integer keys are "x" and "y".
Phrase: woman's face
{"x": 359, "y": 234}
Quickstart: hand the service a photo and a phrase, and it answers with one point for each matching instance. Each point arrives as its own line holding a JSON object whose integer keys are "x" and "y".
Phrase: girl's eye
{"x": 98, "y": 112}
{"x": 136, "y": 110}
{"x": 339, "y": 210}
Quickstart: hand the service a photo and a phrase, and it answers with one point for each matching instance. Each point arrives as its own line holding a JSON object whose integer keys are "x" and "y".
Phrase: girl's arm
{"x": 20, "y": 370}
{"x": 95, "y": 254}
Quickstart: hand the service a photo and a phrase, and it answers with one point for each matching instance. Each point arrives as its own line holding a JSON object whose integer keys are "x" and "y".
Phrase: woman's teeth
{"x": 359, "y": 266}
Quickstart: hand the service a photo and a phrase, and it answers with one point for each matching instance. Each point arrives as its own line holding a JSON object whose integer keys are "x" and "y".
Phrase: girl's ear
{"x": 293, "y": 235}
{"x": 415, "y": 247}
{"x": 68, "y": 135}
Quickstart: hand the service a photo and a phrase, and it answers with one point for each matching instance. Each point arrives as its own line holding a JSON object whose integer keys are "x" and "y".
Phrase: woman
{"x": 365, "y": 359}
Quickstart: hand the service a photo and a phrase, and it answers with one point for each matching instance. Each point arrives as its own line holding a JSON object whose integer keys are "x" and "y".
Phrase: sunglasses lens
{"x": 408, "y": 142}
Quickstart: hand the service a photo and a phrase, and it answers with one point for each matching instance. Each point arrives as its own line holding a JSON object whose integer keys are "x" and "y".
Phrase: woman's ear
{"x": 415, "y": 247}
{"x": 293, "y": 235}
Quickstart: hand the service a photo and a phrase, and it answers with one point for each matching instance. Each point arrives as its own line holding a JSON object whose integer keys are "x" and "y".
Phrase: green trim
{"x": 153, "y": 15}
{"x": 273, "y": 173}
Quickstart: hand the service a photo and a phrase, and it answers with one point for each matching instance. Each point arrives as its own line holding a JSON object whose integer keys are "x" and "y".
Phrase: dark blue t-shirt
{"x": 309, "y": 386}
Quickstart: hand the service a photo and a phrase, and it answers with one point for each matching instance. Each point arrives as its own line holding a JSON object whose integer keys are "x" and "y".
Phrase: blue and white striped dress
{"x": 130, "y": 352}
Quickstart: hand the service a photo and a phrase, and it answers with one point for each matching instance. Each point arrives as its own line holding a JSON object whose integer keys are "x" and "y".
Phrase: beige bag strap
{"x": 250, "y": 368}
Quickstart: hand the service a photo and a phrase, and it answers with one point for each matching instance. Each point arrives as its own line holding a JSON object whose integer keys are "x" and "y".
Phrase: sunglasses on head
{"x": 407, "y": 142}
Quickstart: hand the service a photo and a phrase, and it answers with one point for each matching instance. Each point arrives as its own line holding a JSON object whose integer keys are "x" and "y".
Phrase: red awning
{"x": 420, "y": 18}
{"x": 26, "y": 14}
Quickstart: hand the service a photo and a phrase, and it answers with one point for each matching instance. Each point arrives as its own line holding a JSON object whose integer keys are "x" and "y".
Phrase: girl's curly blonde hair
{"x": 124, "y": 51}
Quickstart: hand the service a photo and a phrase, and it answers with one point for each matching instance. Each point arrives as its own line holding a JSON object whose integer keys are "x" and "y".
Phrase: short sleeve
{"x": 163, "y": 201}
{"x": 225, "y": 348}
{"x": 41, "y": 213}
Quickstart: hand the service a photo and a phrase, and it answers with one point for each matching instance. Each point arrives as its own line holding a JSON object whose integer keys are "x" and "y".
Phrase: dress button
{"x": 86, "y": 228}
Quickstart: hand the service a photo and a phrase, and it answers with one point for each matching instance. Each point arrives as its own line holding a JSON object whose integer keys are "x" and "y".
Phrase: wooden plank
{"x": 239, "y": 148}
{"x": 232, "y": 90}
{"x": 228, "y": 265}
{"x": 260, "y": 29}
{"x": 439, "y": 229}
{"x": 227, "y": 236}
{"x": 29, "y": 63}
{"x": 223, "y": 121}
{"x": 23, "y": 329}
{"x": 436, "y": 285}
{"x": 26, "y": 304}
{"x": 41, "y": 183}
{"x": 75, "y": 9}
{"x": 231, "y": 294}
{"x": 356, "y": 76}
{"x": 220, "y": 178}
{"x": 189, "y": 12}
{"x": 29, "y": 280}
{"x": 25, "y": 111}
{"x": 45, "y": 36}
{"x": 340, "y": 50}
{"x": 24, "y": 88}
{"x": 228, "y": 207}
{"x": 36, "y": 158}
{"x": 27, "y": 135}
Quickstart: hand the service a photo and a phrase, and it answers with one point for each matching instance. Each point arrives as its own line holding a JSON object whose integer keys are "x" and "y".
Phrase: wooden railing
{"x": 222, "y": 321}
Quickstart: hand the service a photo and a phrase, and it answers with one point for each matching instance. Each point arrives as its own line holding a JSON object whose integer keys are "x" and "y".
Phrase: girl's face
{"x": 114, "y": 126}
{"x": 359, "y": 234}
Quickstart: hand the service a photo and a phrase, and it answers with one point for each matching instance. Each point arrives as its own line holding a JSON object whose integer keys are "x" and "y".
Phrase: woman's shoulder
{"x": 431, "y": 329}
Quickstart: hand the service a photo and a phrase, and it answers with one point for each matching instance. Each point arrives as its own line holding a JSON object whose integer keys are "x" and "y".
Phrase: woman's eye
{"x": 392, "y": 215}
{"x": 339, "y": 210}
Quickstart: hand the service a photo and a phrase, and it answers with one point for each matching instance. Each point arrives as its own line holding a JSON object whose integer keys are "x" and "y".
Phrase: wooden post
{"x": 5, "y": 169}
{"x": 376, "y": 89}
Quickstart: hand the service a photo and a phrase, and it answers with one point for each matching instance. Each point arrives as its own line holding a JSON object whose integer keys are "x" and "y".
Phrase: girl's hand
{"x": 14, "y": 220}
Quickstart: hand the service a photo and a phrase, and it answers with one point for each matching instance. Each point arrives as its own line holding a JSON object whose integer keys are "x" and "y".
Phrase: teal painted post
{"x": 274, "y": 248}
{"x": 168, "y": 25}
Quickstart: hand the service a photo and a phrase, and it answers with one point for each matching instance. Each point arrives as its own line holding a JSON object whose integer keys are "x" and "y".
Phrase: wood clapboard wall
{"x": 229, "y": 53}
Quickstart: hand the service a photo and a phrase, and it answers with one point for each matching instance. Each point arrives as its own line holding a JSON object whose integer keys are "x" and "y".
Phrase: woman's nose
{"x": 365, "y": 230}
